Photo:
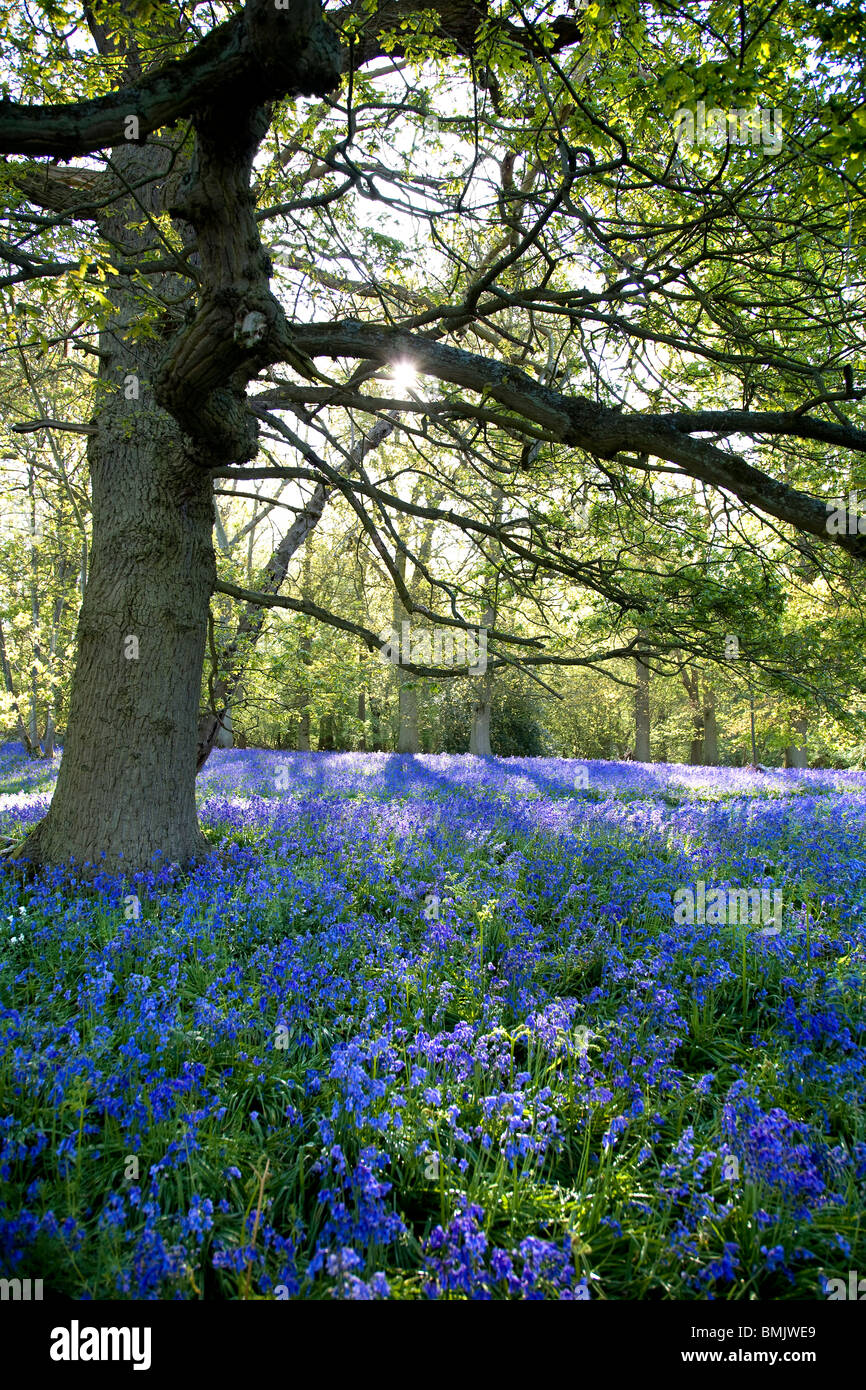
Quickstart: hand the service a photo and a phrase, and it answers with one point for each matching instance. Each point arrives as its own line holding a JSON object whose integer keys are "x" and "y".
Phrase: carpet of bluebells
{"x": 426, "y": 1028}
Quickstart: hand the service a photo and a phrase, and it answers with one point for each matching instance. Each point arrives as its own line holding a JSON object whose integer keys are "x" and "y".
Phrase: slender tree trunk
{"x": 305, "y": 646}
{"x": 225, "y": 737}
{"x": 304, "y": 731}
{"x": 482, "y": 706}
{"x": 407, "y": 735}
{"x": 376, "y": 721}
{"x": 711, "y": 728}
{"x": 796, "y": 754}
{"x": 407, "y": 698}
{"x": 641, "y": 712}
{"x": 216, "y": 725}
{"x": 34, "y": 619}
{"x": 691, "y": 681}
{"x": 479, "y": 736}
{"x": 327, "y": 732}
{"x": 9, "y": 682}
{"x": 362, "y": 666}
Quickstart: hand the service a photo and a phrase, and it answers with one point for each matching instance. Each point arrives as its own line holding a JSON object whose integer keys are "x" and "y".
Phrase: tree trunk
{"x": 50, "y": 717}
{"x": 125, "y": 791}
{"x": 170, "y": 409}
{"x": 711, "y": 728}
{"x": 305, "y": 647}
{"x": 407, "y": 735}
{"x": 641, "y": 712}
{"x": 10, "y": 690}
{"x": 691, "y": 681}
{"x": 796, "y": 754}
{"x": 479, "y": 734}
{"x": 407, "y": 696}
{"x": 34, "y": 618}
{"x": 126, "y": 785}
{"x": 304, "y": 732}
{"x": 327, "y": 733}
{"x": 479, "y": 737}
{"x": 376, "y": 724}
{"x": 225, "y": 737}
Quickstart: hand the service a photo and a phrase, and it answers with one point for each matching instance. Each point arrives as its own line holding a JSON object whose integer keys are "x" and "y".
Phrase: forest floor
{"x": 445, "y": 1027}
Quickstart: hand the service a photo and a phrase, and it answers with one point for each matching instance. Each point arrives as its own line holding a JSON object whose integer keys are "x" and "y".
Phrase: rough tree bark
{"x": 126, "y": 786}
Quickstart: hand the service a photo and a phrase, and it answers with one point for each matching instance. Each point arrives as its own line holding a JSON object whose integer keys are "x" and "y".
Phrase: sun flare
{"x": 404, "y": 376}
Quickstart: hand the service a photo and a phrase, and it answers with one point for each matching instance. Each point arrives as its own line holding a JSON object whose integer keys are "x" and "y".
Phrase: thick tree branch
{"x": 30, "y": 426}
{"x": 77, "y": 194}
{"x": 604, "y": 432}
{"x": 262, "y": 53}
